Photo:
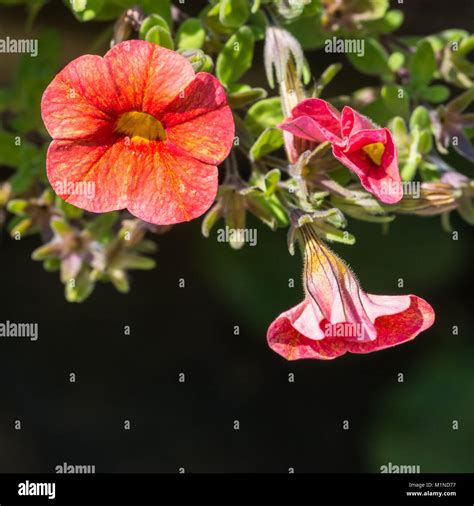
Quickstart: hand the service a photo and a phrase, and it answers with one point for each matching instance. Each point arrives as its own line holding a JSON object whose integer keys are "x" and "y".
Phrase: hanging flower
{"x": 337, "y": 316}
{"x": 366, "y": 150}
{"x": 140, "y": 129}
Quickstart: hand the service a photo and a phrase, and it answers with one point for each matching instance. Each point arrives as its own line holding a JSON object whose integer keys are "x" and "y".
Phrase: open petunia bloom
{"x": 337, "y": 316}
{"x": 141, "y": 129}
{"x": 366, "y": 150}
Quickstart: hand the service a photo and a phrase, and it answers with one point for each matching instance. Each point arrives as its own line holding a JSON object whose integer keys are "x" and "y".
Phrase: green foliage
{"x": 264, "y": 114}
{"x": 268, "y": 175}
{"x": 236, "y": 56}
{"x": 191, "y": 34}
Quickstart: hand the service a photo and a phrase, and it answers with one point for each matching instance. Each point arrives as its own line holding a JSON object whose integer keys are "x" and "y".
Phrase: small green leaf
{"x": 245, "y": 96}
{"x": 272, "y": 178}
{"x": 234, "y": 13}
{"x": 264, "y": 114}
{"x": 103, "y": 224}
{"x": 210, "y": 219}
{"x": 10, "y": 153}
{"x": 17, "y": 206}
{"x": 420, "y": 118}
{"x": 425, "y": 142}
{"x": 236, "y": 56}
{"x": 436, "y": 94}
{"x": 160, "y": 36}
{"x": 374, "y": 60}
{"x": 269, "y": 140}
{"x": 85, "y": 10}
{"x": 150, "y": 22}
{"x": 396, "y": 60}
{"x": 191, "y": 34}
{"x": 396, "y": 100}
{"x": 423, "y": 65}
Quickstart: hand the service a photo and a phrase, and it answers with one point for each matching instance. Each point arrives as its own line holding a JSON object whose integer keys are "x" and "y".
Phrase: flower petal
{"x": 352, "y": 122}
{"x": 90, "y": 174}
{"x": 81, "y": 100}
{"x": 168, "y": 186}
{"x": 285, "y": 340}
{"x": 314, "y": 119}
{"x": 199, "y": 121}
{"x": 398, "y": 328}
{"x": 382, "y": 180}
{"x": 148, "y": 76}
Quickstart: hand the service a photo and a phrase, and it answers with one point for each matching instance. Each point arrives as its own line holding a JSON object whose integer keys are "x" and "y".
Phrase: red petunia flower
{"x": 140, "y": 128}
{"x": 366, "y": 150}
{"x": 337, "y": 316}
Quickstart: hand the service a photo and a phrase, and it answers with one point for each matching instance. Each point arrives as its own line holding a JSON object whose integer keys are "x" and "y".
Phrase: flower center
{"x": 375, "y": 152}
{"x": 140, "y": 126}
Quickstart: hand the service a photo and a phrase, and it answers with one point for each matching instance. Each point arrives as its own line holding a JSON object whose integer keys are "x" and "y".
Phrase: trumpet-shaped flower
{"x": 366, "y": 150}
{"x": 140, "y": 129}
{"x": 337, "y": 316}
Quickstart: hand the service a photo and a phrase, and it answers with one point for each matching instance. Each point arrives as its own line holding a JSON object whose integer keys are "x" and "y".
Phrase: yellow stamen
{"x": 375, "y": 152}
{"x": 140, "y": 126}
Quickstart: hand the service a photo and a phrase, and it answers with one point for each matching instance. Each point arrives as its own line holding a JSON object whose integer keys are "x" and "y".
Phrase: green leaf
{"x": 264, "y": 114}
{"x": 373, "y": 62}
{"x": 236, "y": 56}
{"x": 82, "y": 288}
{"x": 245, "y": 96}
{"x": 436, "y": 94}
{"x": 210, "y": 219}
{"x": 258, "y": 23}
{"x": 396, "y": 100}
{"x": 150, "y": 22}
{"x": 85, "y": 10}
{"x": 420, "y": 118}
{"x": 425, "y": 141}
{"x": 308, "y": 31}
{"x": 326, "y": 77}
{"x": 234, "y": 13}
{"x": 423, "y": 65}
{"x": 10, "y": 153}
{"x": 17, "y": 206}
{"x": 272, "y": 178}
{"x": 396, "y": 60}
{"x": 160, "y": 36}
{"x": 269, "y": 140}
{"x": 102, "y": 225}
{"x": 191, "y": 34}
{"x": 389, "y": 23}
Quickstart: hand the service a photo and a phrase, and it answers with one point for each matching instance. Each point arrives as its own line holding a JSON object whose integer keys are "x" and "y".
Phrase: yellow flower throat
{"x": 140, "y": 126}
{"x": 375, "y": 152}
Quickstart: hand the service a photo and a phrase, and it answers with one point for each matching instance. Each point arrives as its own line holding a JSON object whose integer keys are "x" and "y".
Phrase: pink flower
{"x": 337, "y": 316}
{"x": 368, "y": 151}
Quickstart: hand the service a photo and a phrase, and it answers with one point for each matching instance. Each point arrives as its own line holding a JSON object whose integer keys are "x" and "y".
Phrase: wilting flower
{"x": 452, "y": 191}
{"x": 368, "y": 151}
{"x": 142, "y": 128}
{"x": 337, "y": 316}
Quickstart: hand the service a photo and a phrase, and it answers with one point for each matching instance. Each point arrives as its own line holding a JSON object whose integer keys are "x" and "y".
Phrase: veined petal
{"x": 147, "y": 76}
{"x": 199, "y": 120}
{"x": 338, "y": 316}
{"x": 364, "y": 137}
{"x": 382, "y": 180}
{"x": 398, "y": 328}
{"x": 315, "y": 120}
{"x": 335, "y": 296}
{"x": 352, "y": 122}
{"x": 81, "y": 101}
{"x": 284, "y": 339}
{"x": 91, "y": 174}
{"x": 168, "y": 186}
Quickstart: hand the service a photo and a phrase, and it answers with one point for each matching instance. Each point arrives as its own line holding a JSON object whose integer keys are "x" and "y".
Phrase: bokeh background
{"x": 235, "y": 377}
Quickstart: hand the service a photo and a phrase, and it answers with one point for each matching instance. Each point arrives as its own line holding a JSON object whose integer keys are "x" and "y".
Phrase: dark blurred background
{"x": 236, "y": 377}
